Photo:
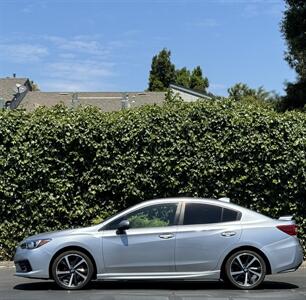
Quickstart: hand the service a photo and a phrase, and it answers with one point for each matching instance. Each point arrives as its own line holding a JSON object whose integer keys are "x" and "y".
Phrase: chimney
{"x": 125, "y": 103}
{"x": 14, "y": 75}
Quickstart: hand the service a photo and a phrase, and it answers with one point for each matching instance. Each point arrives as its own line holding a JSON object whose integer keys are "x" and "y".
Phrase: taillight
{"x": 289, "y": 229}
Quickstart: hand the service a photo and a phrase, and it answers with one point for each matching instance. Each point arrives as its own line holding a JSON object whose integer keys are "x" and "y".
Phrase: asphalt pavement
{"x": 287, "y": 286}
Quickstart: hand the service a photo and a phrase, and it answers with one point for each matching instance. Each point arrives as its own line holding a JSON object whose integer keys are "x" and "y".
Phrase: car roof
{"x": 246, "y": 213}
{"x": 190, "y": 199}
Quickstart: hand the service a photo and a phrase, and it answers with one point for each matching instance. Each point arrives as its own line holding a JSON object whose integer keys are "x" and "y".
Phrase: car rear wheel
{"x": 72, "y": 270}
{"x": 245, "y": 269}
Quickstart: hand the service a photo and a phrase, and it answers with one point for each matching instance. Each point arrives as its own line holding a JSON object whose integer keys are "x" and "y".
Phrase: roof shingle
{"x": 7, "y": 86}
{"x": 106, "y": 101}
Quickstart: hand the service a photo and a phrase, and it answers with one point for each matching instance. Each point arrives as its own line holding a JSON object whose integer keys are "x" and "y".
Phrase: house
{"x": 13, "y": 90}
{"x": 106, "y": 101}
{"x": 19, "y": 93}
{"x": 187, "y": 94}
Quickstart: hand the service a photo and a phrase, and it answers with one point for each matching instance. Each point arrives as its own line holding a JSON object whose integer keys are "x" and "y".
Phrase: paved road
{"x": 285, "y": 286}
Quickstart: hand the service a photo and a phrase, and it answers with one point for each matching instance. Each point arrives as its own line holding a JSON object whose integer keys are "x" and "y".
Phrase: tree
{"x": 197, "y": 81}
{"x": 171, "y": 97}
{"x": 182, "y": 77}
{"x": 162, "y": 71}
{"x": 35, "y": 86}
{"x": 293, "y": 28}
{"x": 240, "y": 91}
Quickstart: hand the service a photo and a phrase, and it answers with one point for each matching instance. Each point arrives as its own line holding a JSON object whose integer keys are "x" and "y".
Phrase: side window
{"x": 158, "y": 215}
{"x": 197, "y": 213}
{"x": 230, "y": 215}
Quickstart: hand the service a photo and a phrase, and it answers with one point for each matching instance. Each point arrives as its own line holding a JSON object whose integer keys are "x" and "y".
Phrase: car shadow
{"x": 154, "y": 285}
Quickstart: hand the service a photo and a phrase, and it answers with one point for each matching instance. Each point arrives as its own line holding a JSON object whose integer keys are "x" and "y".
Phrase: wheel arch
{"x": 251, "y": 248}
{"x": 68, "y": 248}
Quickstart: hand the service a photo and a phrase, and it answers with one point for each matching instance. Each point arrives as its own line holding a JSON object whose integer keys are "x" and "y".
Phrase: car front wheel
{"x": 245, "y": 269}
{"x": 72, "y": 270}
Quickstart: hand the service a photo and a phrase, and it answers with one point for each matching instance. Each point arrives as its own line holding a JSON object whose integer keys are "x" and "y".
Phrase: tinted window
{"x": 159, "y": 215}
{"x": 196, "y": 213}
{"x": 230, "y": 215}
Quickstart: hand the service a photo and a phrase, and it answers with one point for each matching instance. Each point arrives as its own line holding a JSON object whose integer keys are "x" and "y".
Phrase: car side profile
{"x": 164, "y": 239}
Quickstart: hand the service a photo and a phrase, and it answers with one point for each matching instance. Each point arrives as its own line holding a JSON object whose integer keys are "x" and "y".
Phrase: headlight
{"x": 32, "y": 244}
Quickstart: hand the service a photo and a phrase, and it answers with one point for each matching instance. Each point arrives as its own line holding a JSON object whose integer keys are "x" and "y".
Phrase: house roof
{"x": 196, "y": 93}
{"x": 7, "y": 86}
{"x": 106, "y": 101}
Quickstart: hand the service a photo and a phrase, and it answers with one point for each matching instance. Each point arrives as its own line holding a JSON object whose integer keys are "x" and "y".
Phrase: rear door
{"x": 204, "y": 233}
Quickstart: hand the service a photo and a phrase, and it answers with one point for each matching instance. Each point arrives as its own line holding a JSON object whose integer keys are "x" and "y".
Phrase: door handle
{"x": 228, "y": 233}
{"x": 166, "y": 236}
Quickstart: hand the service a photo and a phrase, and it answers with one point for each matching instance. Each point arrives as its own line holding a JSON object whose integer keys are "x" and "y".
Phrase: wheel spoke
{"x": 62, "y": 272}
{"x": 251, "y": 262}
{"x": 237, "y": 273}
{"x": 79, "y": 263}
{"x": 240, "y": 263}
{"x": 70, "y": 281}
{"x": 257, "y": 274}
{"x": 67, "y": 262}
{"x": 246, "y": 279}
{"x": 80, "y": 274}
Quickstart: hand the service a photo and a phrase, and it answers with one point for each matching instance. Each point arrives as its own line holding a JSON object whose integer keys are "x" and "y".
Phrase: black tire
{"x": 242, "y": 276}
{"x": 66, "y": 275}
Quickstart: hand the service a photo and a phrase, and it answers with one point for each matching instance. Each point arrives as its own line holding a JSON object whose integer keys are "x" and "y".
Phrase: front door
{"x": 147, "y": 246}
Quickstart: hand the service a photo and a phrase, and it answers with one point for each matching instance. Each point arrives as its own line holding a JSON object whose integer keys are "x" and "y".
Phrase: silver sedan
{"x": 179, "y": 238}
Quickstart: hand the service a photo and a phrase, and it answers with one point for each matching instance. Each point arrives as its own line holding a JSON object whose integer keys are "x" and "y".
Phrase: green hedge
{"x": 61, "y": 168}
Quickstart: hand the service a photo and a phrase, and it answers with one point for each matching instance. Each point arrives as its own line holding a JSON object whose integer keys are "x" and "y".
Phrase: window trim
{"x": 182, "y": 215}
{"x": 128, "y": 211}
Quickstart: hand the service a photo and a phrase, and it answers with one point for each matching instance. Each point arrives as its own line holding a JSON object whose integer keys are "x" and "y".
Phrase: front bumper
{"x": 32, "y": 263}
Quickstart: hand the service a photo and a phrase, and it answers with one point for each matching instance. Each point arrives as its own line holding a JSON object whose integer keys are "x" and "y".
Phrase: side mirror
{"x": 123, "y": 226}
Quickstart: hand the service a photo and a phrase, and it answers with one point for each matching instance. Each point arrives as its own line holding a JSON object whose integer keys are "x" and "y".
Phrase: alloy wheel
{"x": 246, "y": 270}
{"x": 72, "y": 270}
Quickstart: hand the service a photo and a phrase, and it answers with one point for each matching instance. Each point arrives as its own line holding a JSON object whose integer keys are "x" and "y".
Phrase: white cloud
{"x": 61, "y": 85}
{"x": 204, "y": 23}
{"x": 66, "y": 85}
{"x": 81, "y": 44}
{"x": 132, "y": 32}
{"x": 263, "y": 8}
{"x": 67, "y": 55}
{"x": 79, "y": 70}
{"x": 26, "y": 10}
{"x": 254, "y": 8}
{"x": 83, "y": 63}
{"x": 218, "y": 88}
{"x": 245, "y": 1}
{"x": 23, "y": 53}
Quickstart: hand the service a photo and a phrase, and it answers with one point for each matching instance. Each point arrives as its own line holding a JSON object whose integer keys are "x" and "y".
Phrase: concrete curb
{"x": 6, "y": 265}
{"x": 10, "y": 265}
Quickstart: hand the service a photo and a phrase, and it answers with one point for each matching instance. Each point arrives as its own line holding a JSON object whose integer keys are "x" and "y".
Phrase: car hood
{"x": 60, "y": 233}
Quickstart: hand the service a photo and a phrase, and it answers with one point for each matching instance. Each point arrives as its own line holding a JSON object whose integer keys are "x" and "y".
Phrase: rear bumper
{"x": 285, "y": 255}
{"x": 291, "y": 270}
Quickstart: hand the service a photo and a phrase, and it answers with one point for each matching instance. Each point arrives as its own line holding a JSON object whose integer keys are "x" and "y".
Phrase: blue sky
{"x": 108, "y": 45}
